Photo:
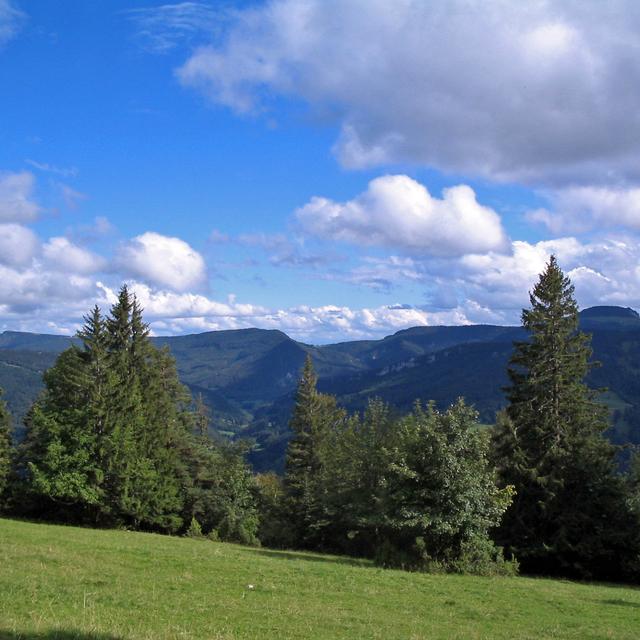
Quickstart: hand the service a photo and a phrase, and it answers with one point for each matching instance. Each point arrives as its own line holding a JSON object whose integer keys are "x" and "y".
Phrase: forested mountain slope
{"x": 248, "y": 376}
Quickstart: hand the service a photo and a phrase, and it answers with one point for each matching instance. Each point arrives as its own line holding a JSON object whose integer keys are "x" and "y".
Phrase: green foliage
{"x": 249, "y": 375}
{"x": 570, "y": 515}
{"x": 274, "y": 530}
{"x": 5, "y": 450}
{"x": 441, "y": 498}
{"x": 314, "y": 417}
{"x": 220, "y": 490}
{"x": 110, "y": 441}
{"x": 358, "y": 457}
{"x": 417, "y": 493}
{"x": 194, "y": 530}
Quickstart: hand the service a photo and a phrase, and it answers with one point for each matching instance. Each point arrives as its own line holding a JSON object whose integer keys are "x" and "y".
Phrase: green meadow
{"x": 66, "y": 582}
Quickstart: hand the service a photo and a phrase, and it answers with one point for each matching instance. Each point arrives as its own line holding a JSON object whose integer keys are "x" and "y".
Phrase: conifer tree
{"x": 314, "y": 416}
{"x": 5, "y": 448}
{"x": 569, "y": 515}
{"x": 202, "y": 417}
{"x": 148, "y": 422}
{"x": 110, "y": 441}
{"x": 61, "y": 446}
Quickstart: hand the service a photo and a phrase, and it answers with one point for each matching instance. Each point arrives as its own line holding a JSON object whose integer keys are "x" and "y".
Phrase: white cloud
{"x": 581, "y": 208}
{"x": 544, "y": 92}
{"x": 11, "y": 20}
{"x": 16, "y": 197}
{"x": 162, "y": 260}
{"x": 65, "y": 172}
{"x": 605, "y": 271}
{"x": 18, "y": 245}
{"x": 37, "y": 296}
{"x": 160, "y": 29}
{"x": 62, "y": 255}
{"x": 172, "y": 312}
{"x": 489, "y": 287}
{"x": 396, "y": 211}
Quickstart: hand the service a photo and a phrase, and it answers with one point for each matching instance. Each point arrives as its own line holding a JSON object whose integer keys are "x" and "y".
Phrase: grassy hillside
{"x": 63, "y": 582}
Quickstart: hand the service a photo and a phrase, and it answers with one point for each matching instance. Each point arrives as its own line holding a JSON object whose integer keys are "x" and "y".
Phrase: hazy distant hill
{"x": 248, "y": 376}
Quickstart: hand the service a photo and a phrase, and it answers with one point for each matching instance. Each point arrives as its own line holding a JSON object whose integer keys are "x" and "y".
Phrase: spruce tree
{"x": 60, "y": 448}
{"x": 569, "y": 515}
{"x": 5, "y": 449}
{"x": 314, "y": 416}
{"x": 148, "y": 422}
{"x": 111, "y": 441}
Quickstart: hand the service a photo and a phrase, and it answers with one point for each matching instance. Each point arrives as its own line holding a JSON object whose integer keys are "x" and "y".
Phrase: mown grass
{"x": 71, "y": 583}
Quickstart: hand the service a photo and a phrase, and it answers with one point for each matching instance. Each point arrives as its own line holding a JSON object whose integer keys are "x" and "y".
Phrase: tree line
{"x": 115, "y": 440}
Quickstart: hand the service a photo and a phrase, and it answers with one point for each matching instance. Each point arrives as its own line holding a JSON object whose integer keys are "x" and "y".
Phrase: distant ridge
{"x": 610, "y": 312}
{"x": 609, "y": 317}
{"x": 248, "y": 376}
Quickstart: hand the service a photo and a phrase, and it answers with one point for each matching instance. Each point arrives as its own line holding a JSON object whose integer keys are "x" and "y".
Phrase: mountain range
{"x": 248, "y": 376}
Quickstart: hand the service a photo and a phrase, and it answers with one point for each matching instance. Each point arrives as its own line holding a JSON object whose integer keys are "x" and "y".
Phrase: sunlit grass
{"x": 65, "y": 582}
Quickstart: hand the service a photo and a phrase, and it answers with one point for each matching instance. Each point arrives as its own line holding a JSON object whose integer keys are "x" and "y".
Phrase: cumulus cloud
{"x": 36, "y": 296}
{"x": 396, "y": 211}
{"x": 162, "y": 260}
{"x": 604, "y": 271}
{"x": 18, "y": 245}
{"x": 63, "y": 255}
{"x": 16, "y": 197}
{"x": 490, "y": 287}
{"x": 581, "y": 208}
{"x": 544, "y": 92}
{"x": 172, "y": 312}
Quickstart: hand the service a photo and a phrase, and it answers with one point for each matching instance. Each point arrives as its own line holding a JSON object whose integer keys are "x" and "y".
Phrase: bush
{"x": 194, "y": 530}
{"x": 234, "y": 529}
{"x": 477, "y": 556}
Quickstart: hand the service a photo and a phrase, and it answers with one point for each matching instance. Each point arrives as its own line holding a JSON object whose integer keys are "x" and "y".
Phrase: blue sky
{"x": 336, "y": 170}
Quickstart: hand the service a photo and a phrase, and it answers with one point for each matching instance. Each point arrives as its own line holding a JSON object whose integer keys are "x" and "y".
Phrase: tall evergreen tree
{"x": 569, "y": 515}
{"x": 314, "y": 416}
{"x": 111, "y": 441}
{"x": 5, "y": 449}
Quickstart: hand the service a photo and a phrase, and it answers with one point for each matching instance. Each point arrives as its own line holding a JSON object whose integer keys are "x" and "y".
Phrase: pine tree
{"x": 569, "y": 514}
{"x": 5, "y": 449}
{"x": 314, "y": 416}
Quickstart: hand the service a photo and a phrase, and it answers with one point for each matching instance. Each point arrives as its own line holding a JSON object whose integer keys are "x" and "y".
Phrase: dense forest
{"x": 115, "y": 440}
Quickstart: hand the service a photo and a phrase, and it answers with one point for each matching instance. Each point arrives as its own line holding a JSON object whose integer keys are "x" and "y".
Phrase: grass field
{"x": 64, "y": 582}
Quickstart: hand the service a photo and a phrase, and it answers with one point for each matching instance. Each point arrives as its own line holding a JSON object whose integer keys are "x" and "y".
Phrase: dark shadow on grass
{"x": 55, "y": 634}
{"x": 621, "y": 603}
{"x": 312, "y": 557}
